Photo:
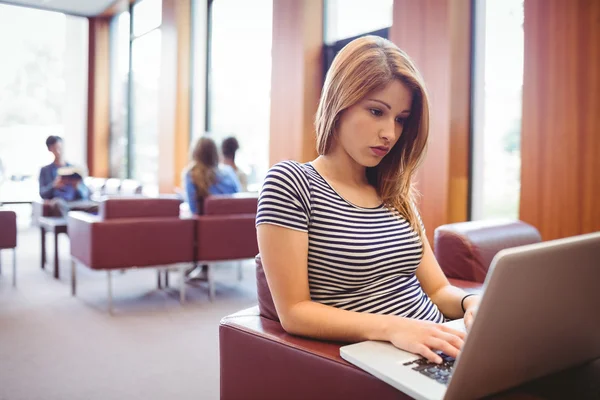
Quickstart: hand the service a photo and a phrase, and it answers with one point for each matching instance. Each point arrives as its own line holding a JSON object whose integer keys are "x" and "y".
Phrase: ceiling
{"x": 86, "y": 8}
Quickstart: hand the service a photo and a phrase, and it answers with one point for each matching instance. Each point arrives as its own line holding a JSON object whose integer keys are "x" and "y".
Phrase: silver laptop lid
{"x": 539, "y": 315}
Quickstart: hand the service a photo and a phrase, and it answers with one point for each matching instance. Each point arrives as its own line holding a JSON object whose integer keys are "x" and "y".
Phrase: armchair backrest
{"x": 465, "y": 250}
{"x": 239, "y": 203}
{"x": 138, "y": 207}
{"x": 266, "y": 305}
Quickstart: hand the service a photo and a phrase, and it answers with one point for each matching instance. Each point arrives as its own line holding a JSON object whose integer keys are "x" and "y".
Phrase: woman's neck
{"x": 59, "y": 162}
{"x": 340, "y": 167}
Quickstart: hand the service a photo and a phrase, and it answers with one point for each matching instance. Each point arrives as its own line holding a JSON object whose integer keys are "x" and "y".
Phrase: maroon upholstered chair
{"x": 8, "y": 238}
{"x": 260, "y": 360}
{"x": 225, "y": 232}
{"x": 130, "y": 233}
{"x": 465, "y": 250}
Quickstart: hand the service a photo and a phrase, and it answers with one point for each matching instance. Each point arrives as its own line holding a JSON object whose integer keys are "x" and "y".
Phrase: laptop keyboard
{"x": 438, "y": 372}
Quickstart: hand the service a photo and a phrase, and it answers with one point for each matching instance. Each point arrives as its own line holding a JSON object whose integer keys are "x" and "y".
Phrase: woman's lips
{"x": 380, "y": 151}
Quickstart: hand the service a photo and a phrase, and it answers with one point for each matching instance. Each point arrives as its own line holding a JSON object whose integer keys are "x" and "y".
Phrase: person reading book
{"x": 62, "y": 182}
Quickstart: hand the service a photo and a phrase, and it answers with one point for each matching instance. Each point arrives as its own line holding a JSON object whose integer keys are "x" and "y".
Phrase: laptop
{"x": 538, "y": 315}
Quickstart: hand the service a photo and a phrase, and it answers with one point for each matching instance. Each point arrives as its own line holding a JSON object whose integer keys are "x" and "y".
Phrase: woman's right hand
{"x": 425, "y": 338}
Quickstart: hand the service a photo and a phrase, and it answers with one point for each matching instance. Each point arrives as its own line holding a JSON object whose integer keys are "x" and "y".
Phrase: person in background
{"x": 66, "y": 192}
{"x": 229, "y": 147}
{"x": 204, "y": 177}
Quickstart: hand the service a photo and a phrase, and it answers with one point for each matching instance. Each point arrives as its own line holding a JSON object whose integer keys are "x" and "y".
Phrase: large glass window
{"x": 135, "y": 81}
{"x": 145, "y": 74}
{"x": 349, "y": 18}
{"x": 498, "y": 81}
{"x": 119, "y": 95}
{"x": 240, "y": 80}
{"x": 43, "y": 91}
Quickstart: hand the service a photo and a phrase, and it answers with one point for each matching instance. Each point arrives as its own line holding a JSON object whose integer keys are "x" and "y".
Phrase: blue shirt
{"x": 227, "y": 183}
{"x": 68, "y": 192}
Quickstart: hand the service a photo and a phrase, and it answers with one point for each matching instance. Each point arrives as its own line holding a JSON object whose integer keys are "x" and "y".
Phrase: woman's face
{"x": 369, "y": 129}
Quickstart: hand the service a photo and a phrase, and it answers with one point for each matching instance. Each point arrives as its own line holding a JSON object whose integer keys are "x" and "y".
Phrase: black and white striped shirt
{"x": 359, "y": 259}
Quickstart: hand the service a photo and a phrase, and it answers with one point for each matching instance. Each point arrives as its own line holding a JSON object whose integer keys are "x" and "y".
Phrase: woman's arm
{"x": 191, "y": 194}
{"x": 436, "y": 286}
{"x": 284, "y": 254}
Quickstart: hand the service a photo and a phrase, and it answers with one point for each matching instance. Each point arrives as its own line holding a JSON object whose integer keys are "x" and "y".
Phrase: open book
{"x": 72, "y": 172}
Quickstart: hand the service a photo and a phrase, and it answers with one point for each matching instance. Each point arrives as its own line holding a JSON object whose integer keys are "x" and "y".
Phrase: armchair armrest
{"x": 465, "y": 250}
{"x": 259, "y": 360}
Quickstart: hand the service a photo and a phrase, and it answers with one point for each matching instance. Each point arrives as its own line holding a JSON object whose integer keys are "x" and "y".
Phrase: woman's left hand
{"x": 471, "y": 307}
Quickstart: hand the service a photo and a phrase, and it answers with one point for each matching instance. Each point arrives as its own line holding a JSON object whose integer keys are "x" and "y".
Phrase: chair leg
{"x": 166, "y": 278}
{"x": 240, "y": 271}
{"x": 182, "y": 283}
{"x": 158, "y": 279}
{"x": 110, "y": 299}
{"x": 73, "y": 278}
{"x": 211, "y": 282}
{"x": 15, "y": 267}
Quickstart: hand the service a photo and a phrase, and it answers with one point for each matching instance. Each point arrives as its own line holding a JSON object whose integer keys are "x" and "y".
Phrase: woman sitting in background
{"x": 203, "y": 177}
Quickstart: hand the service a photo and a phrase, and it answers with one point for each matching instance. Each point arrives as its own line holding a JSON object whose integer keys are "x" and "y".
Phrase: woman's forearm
{"x": 315, "y": 320}
{"x": 448, "y": 299}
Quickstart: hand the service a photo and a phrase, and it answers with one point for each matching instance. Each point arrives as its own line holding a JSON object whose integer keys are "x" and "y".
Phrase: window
{"x": 43, "y": 91}
{"x": 119, "y": 95}
{"x": 497, "y": 83}
{"x": 135, "y": 80}
{"x": 239, "y": 77}
{"x": 348, "y": 18}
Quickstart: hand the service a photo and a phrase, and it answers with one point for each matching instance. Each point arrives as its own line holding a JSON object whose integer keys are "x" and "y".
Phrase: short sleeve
{"x": 285, "y": 197}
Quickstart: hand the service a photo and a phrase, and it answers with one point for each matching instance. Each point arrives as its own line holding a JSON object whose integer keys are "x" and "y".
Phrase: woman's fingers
{"x": 444, "y": 346}
{"x": 454, "y": 332}
{"x": 429, "y": 354}
{"x": 452, "y": 339}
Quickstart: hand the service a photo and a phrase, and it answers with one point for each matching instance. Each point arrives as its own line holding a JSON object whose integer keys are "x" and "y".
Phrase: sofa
{"x": 130, "y": 233}
{"x": 259, "y": 360}
{"x": 141, "y": 232}
{"x": 8, "y": 238}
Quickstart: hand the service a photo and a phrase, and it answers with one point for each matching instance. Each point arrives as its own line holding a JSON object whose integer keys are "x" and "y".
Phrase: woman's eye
{"x": 376, "y": 112}
{"x": 401, "y": 121}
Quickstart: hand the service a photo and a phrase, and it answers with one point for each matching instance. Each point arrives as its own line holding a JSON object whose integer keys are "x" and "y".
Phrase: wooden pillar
{"x": 560, "y": 145}
{"x": 436, "y": 34}
{"x": 296, "y": 78}
{"x": 174, "y": 98}
{"x": 98, "y": 123}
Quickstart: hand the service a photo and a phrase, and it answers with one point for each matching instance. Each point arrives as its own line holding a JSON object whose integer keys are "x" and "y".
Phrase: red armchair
{"x": 225, "y": 232}
{"x": 8, "y": 238}
{"x": 130, "y": 233}
{"x": 259, "y": 360}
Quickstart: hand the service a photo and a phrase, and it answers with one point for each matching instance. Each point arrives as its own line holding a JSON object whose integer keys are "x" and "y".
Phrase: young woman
{"x": 342, "y": 243}
{"x": 204, "y": 177}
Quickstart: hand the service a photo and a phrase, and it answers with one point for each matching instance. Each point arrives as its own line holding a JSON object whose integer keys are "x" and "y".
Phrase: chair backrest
{"x": 139, "y": 207}
{"x": 239, "y": 203}
{"x": 465, "y": 250}
{"x": 266, "y": 305}
{"x": 8, "y": 230}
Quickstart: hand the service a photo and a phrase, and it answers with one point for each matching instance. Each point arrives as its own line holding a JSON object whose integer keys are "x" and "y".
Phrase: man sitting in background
{"x": 229, "y": 147}
{"x": 62, "y": 183}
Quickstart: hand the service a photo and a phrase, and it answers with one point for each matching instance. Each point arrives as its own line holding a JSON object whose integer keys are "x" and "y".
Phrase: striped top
{"x": 359, "y": 259}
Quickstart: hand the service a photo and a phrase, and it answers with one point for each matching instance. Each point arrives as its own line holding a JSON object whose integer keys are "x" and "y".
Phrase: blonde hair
{"x": 364, "y": 65}
{"x": 203, "y": 169}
